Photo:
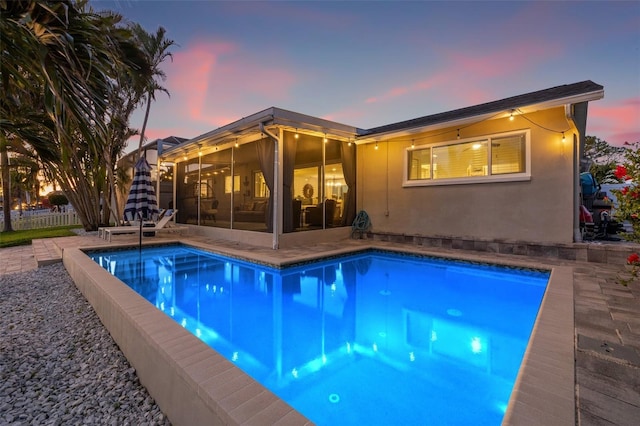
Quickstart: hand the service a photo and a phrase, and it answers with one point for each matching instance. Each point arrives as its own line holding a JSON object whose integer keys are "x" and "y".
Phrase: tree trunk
{"x": 144, "y": 124}
{"x": 111, "y": 209}
{"x": 6, "y": 189}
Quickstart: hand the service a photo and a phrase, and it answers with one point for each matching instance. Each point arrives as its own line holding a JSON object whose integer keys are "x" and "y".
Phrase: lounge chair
{"x": 128, "y": 221}
{"x": 162, "y": 225}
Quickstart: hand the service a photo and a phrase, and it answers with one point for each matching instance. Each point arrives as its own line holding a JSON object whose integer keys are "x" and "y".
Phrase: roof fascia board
{"x": 526, "y": 109}
{"x": 229, "y": 130}
{"x": 377, "y": 137}
{"x": 296, "y": 120}
{"x": 567, "y": 100}
{"x": 271, "y": 116}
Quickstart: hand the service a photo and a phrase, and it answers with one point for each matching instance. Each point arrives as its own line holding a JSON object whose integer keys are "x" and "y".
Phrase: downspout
{"x": 276, "y": 184}
{"x": 569, "y": 110}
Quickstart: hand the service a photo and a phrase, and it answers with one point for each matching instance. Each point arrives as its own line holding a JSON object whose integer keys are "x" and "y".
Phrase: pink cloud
{"x": 463, "y": 75}
{"x": 349, "y": 116}
{"x": 189, "y": 78}
{"x": 509, "y": 59}
{"x": 616, "y": 123}
{"x": 211, "y": 82}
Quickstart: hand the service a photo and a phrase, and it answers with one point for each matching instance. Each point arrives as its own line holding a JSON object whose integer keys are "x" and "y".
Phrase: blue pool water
{"x": 370, "y": 338}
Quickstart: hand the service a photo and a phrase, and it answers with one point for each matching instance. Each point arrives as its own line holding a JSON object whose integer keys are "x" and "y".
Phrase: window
{"x": 508, "y": 155}
{"x": 484, "y": 159}
{"x": 206, "y": 191}
{"x": 227, "y": 184}
{"x": 260, "y": 188}
{"x": 306, "y": 185}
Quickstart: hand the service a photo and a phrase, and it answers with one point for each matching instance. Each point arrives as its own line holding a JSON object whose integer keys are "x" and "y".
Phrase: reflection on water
{"x": 370, "y": 338}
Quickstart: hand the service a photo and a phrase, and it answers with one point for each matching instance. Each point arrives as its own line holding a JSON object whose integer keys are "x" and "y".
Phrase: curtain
{"x": 348, "y": 154}
{"x": 289, "y": 161}
{"x": 266, "y": 156}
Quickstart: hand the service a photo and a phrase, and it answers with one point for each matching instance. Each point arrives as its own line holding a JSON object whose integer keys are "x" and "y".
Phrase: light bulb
{"x": 563, "y": 138}
{"x": 376, "y": 147}
{"x": 511, "y": 116}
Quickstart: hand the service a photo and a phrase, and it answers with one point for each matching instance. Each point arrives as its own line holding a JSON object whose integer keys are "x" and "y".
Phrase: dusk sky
{"x": 367, "y": 64}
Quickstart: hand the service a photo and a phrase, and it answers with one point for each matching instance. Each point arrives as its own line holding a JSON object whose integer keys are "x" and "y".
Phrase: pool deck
{"x": 606, "y": 331}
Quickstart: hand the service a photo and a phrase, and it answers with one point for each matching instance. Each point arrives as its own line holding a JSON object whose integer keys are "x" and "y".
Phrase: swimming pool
{"x": 374, "y": 337}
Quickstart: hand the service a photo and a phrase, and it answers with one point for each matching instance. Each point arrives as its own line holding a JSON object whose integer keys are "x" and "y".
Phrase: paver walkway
{"x": 607, "y": 325}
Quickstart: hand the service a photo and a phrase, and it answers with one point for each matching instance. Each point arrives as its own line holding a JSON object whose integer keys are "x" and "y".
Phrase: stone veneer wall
{"x": 615, "y": 253}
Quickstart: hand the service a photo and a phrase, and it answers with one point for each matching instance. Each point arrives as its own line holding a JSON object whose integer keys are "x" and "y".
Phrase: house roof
{"x": 554, "y": 96}
{"x": 251, "y": 127}
{"x": 248, "y": 128}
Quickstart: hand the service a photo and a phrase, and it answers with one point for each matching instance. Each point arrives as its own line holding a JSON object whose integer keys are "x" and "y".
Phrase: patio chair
{"x": 162, "y": 225}
{"x": 315, "y": 214}
{"x": 211, "y": 213}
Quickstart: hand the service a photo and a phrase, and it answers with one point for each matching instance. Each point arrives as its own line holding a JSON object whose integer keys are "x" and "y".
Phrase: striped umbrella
{"x": 142, "y": 201}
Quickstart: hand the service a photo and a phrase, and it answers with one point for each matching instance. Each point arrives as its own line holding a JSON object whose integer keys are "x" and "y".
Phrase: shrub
{"x": 58, "y": 200}
{"x": 629, "y": 206}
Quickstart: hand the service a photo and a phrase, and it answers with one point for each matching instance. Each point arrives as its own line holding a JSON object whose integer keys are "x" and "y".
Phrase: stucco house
{"x": 500, "y": 172}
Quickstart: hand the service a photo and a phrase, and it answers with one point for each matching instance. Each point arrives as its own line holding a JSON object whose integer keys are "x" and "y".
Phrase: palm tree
{"x": 156, "y": 47}
{"x": 61, "y": 64}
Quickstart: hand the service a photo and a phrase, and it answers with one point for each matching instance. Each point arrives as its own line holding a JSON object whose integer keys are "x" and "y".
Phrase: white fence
{"x": 41, "y": 219}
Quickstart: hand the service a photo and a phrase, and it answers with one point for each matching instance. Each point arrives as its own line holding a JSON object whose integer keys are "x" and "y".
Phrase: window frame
{"x": 231, "y": 183}
{"x": 509, "y": 177}
{"x": 255, "y": 174}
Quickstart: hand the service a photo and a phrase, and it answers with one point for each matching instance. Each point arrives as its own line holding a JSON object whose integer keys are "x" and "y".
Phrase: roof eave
{"x": 250, "y": 126}
{"x": 490, "y": 115}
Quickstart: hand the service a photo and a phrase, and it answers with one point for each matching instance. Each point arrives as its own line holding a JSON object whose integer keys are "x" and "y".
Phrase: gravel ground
{"x": 58, "y": 364}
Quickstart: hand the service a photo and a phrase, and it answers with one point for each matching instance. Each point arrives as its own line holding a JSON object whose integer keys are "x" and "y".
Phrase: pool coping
{"x": 192, "y": 384}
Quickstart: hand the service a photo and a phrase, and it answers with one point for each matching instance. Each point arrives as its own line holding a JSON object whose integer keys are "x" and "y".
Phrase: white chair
{"x": 162, "y": 225}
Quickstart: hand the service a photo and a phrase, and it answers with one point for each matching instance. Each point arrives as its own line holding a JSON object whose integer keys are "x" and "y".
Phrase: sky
{"x": 367, "y": 64}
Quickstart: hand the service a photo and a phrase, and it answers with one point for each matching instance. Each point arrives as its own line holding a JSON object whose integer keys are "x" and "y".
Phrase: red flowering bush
{"x": 629, "y": 205}
{"x": 621, "y": 172}
{"x": 633, "y": 269}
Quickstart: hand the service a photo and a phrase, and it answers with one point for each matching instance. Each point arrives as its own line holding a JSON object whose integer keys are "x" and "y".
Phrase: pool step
{"x": 46, "y": 251}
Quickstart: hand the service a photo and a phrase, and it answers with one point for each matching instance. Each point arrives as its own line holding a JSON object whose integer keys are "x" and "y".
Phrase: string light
{"x": 325, "y": 138}
{"x": 511, "y": 116}
{"x": 413, "y": 145}
{"x": 237, "y": 144}
{"x": 563, "y": 138}
{"x": 376, "y": 147}
{"x": 458, "y": 133}
{"x": 296, "y": 135}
